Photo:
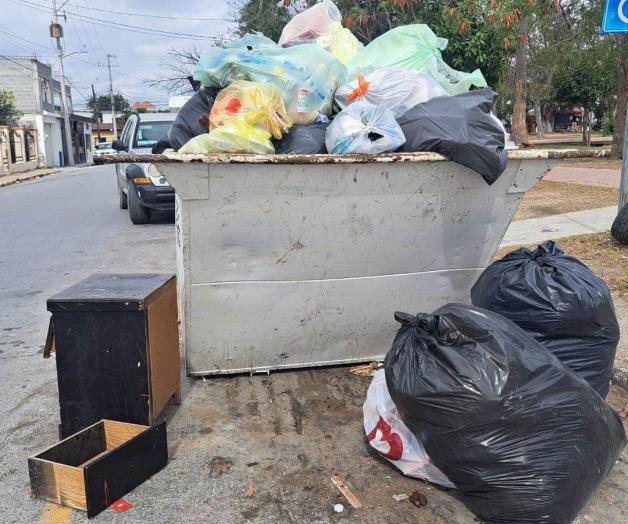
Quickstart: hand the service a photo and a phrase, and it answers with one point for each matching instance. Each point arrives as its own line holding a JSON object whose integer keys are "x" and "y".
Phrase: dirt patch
{"x": 593, "y": 163}
{"x": 552, "y": 198}
{"x": 219, "y": 466}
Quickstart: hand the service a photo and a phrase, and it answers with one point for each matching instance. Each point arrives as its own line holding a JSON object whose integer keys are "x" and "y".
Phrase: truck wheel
{"x": 619, "y": 230}
{"x": 138, "y": 213}
{"x": 122, "y": 198}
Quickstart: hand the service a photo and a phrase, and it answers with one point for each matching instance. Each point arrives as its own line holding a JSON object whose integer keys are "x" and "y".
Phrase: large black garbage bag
{"x": 460, "y": 127}
{"x": 561, "y": 303}
{"x": 192, "y": 119}
{"x": 303, "y": 140}
{"x": 520, "y": 435}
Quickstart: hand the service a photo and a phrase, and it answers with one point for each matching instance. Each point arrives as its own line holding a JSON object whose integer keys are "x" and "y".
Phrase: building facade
{"x": 38, "y": 97}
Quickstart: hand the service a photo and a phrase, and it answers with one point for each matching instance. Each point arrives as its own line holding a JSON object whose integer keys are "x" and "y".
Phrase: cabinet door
{"x": 163, "y": 342}
{"x": 102, "y": 368}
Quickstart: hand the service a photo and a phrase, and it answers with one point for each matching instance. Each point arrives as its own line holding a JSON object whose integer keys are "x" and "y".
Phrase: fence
{"x": 18, "y": 149}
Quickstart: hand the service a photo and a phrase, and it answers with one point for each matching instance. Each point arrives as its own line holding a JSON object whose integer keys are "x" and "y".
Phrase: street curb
{"x": 27, "y": 177}
{"x": 620, "y": 378}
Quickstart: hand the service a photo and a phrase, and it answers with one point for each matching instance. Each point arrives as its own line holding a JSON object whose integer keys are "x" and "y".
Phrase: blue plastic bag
{"x": 307, "y": 76}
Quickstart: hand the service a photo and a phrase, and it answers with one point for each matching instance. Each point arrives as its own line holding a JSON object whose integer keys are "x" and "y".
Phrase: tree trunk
{"x": 622, "y": 97}
{"x": 548, "y": 122}
{"x": 519, "y": 129}
{"x": 586, "y": 127}
{"x": 538, "y": 115}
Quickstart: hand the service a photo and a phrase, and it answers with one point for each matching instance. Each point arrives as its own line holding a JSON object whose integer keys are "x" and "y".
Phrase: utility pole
{"x": 56, "y": 31}
{"x": 96, "y": 112}
{"x": 113, "y": 107}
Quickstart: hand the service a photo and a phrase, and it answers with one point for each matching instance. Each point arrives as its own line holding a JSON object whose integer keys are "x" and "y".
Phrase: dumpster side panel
{"x": 269, "y": 222}
{"x": 292, "y": 265}
{"x": 244, "y": 326}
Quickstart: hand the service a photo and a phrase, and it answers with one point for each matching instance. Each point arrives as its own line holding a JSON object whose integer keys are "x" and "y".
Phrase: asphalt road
{"x": 241, "y": 449}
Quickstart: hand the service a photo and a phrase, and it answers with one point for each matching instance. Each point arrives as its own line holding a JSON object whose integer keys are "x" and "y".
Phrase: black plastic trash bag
{"x": 192, "y": 119}
{"x": 561, "y": 303}
{"x": 460, "y": 127}
{"x": 521, "y": 436}
{"x": 303, "y": 140}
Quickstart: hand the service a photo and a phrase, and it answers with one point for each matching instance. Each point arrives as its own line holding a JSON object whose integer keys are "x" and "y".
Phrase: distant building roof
{"x": 146, "y": 104}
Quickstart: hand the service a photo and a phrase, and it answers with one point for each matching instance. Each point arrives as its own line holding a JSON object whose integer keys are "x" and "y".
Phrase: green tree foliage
{"x": 103, "y": 103}
{"x": 265, "y": 16}
{"x": 8, "y": 112}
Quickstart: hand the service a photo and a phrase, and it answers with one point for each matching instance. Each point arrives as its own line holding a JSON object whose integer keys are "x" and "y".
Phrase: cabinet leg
{"x": 176, "y": 397}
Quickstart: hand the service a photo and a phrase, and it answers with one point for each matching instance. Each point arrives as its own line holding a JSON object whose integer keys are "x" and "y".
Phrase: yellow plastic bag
{"x": 234, "y": 136}
{"x": 260, "y": 105}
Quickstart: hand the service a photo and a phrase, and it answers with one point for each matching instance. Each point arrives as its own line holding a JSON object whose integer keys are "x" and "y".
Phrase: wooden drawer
{"x": 98, "y": 465}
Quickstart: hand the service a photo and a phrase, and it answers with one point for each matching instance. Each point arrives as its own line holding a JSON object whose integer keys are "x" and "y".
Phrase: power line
{"x": 119, "y": 25}
{"x": 25, "y": 39}
{"x": 144, "y": 15}
{"x": 18, "y": 63}
{"x": 102, "y": 47}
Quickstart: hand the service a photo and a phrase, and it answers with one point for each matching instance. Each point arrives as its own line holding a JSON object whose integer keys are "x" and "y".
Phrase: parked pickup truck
{"x": 141, "y": 188}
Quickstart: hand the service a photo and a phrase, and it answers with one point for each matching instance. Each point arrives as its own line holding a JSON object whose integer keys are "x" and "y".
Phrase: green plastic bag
{"x": 414, "y": 47}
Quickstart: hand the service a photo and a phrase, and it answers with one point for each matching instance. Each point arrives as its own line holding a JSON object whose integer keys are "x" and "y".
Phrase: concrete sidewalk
{"x": 16, "y": 178}
{"x": 585, "y": 176}
{"x": 535, "y": 230}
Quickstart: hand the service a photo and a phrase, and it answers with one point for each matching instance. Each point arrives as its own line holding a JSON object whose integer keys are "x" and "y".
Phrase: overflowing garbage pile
{"x": 340, "y": 97}
{"x": 506, "y": 403}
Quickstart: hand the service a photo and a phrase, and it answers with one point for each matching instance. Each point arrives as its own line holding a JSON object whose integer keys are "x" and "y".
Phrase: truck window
{"x": 149, "y": 133}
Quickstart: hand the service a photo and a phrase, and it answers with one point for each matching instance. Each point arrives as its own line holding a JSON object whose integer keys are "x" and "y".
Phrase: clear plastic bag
{"x": 307, "y": 76}
{"x": 260, "y": 105}
{"x": 394, "y": 88}
{"x": 321, "y": 24}
{"x": 363, "y": 128}
{"x": 391, "y": 438}
{"x": 235, "y": 136}
{"x": 414, "y": 47}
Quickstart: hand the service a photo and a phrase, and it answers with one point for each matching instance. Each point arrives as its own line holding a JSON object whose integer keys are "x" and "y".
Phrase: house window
{"x": 45, "y": 90}
{"x": 15, "y": 142}
{"x": 30, "y": 146}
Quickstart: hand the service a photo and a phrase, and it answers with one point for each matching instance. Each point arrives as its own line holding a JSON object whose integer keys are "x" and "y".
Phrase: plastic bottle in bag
{"x": 363, "y": 128}
{"x": 307, "y": 76}
{"x": 258, "y": 104}
{"x": 394, "y": 88}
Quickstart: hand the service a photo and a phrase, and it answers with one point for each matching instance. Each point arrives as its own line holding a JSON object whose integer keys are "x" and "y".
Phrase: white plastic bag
{"x": 398, "y": 89}
{"x": 363, "y": 128}
{"x": 392, "y": 439}
{"x": 321, "y": 24}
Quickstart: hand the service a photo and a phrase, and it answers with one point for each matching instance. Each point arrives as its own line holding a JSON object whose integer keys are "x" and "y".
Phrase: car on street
{"x": 141, "y": 189}
{"x": 104, "y": 148}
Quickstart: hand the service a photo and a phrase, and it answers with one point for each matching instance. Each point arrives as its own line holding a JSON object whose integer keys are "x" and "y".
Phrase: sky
{"x": 140, "y": 54}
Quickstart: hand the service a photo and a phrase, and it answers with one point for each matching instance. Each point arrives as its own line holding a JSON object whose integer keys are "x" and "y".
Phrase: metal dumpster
{"x": 288, "y": 261}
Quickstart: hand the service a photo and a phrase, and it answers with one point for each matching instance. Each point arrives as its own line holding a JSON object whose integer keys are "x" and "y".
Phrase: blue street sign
{"x": 615, "y": 18}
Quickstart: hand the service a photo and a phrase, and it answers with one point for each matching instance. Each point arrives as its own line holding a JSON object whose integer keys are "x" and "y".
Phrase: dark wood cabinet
{"x": 117, "y": 349}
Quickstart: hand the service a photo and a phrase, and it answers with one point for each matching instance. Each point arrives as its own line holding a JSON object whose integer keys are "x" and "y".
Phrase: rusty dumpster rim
{"x": 172, "y": 157}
